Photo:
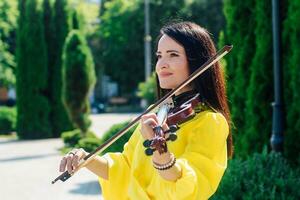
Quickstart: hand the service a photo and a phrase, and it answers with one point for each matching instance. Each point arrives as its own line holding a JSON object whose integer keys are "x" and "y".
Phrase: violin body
{"x": 184, "y": 112}
{"x": 174, "y": 116}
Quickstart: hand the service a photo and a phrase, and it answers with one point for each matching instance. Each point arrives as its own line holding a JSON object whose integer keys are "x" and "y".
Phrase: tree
{"x": 79, "y": 79}
{"x": 291, "y": 48}
{"x": 7, "y": 76}
{"x": 260, "y": 91}
{"x": 8, "y": 26}
{"x": 207, "y": 13}
{"x": 32, "y": 105}
{"x": 121, "y": 42}
{"x": 238, "y": 14}
{"x": 61, "y": 27}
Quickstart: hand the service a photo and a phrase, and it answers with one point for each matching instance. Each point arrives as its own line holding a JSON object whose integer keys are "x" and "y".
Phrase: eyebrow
{"x": 169, "y": 51}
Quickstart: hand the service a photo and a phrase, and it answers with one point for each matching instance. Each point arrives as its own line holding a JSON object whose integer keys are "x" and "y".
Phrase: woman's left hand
{"x": 148, "y": 122}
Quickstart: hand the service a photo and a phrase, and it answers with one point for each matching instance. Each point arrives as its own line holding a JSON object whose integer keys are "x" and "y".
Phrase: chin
{"x": 166, "y": 86}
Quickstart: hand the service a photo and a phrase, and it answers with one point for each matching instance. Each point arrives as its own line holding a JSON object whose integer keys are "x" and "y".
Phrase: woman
{"x": 194, "y": 164}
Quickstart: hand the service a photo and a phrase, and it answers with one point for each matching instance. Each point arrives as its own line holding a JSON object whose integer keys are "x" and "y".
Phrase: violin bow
{"x": 210, "y": 62}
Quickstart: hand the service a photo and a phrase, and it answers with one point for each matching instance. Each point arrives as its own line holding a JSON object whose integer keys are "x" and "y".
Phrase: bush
{"x": 72, "y": 138}
{"x": 8, "y": 117}
{"x": 75, "y": 139}
{"x": 147, "y": 89}
{"x": 261, "y": 176}
{"x": 89, "y": 144}
{"x": 118, "y": 145}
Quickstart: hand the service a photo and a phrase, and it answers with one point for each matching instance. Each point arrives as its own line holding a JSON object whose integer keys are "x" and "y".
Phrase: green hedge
{"x": 146, "y": 90}
{"x": 8, "y": 117}
{"x": 72, "y": 138}
{"x": 89, "y": 142}
{"x": 76, "y": 139}
{"x": 261, "y": 176}
{"x": 118, "y": 145}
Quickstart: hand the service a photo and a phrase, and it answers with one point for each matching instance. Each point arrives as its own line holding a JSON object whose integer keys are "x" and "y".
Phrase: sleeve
{"x": 119, "y": 169}
{"x": 204, "y": 161}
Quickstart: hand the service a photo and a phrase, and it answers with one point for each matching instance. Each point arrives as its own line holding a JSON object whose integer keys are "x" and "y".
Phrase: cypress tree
{"x": 258, "y": 115}
{"x": 78, "y": 20}
{"x": 20, "y": 72}
{"x": 62, "y": 25}
{"x": 292, "y": 81}
{"x": 240, "y": 24}
{"x": 33, "y": 105}
{"x": 79, "y": 79}
{"x": 49, "y": 30}
{"x": 49, "y": 39}
{"x": 75, "y": 20}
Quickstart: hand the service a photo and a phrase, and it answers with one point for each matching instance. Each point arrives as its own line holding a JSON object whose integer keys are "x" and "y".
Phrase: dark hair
{"x": 199, "y": 47}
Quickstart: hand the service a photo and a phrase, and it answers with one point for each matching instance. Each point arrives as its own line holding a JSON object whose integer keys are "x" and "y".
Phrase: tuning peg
{"x": 149, "y": 151}
{"x": 147, "y": 143}
{"x": 172, "y": 137}
{"x": 172, "y": 129}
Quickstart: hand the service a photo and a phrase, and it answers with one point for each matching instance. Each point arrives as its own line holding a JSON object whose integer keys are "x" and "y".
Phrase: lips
{"x": 165, "y": 74}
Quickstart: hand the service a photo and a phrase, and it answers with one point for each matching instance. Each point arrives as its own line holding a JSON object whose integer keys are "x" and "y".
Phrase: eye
{"x": 174, "y": 55}
{"x": 158, "y": 56}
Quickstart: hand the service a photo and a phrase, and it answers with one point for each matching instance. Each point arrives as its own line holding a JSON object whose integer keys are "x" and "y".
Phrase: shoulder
{"x": 207, "y": 134}
{"x": 209, "y": 118}
{"x": 214, "y": 117}
{"x": 209, "y": 124}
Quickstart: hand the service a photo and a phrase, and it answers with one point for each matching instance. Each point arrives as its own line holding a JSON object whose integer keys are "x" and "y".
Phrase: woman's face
{"x": 172, "y": 65}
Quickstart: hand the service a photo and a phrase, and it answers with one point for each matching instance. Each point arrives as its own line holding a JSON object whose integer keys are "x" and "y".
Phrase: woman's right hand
{"x": 71, "y": 160}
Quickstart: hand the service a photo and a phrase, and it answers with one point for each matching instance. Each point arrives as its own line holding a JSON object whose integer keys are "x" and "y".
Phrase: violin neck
{"x": 162, "y": 114}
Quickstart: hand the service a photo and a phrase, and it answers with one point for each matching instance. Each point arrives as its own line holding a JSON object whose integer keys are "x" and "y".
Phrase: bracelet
{"x": 166, "y": 166}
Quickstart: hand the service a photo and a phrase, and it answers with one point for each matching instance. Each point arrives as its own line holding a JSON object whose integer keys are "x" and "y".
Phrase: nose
{"x": 161, "y": 64}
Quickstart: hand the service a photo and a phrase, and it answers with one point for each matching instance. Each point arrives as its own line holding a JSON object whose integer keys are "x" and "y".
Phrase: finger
{"x": 73, "y": 152}
{"x": 165, "y": 127}
{"x": 150, "y": 115}
{"x": 77, "y": 157}
{"x": 147, "y": 128}
{"x": 150, "y": 122}
{"x": 69, "y": 164}
{"x": 62, "y": 165}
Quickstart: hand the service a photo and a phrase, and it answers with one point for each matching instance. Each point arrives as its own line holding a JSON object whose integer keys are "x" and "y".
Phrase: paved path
{"x": 28, "y": 167}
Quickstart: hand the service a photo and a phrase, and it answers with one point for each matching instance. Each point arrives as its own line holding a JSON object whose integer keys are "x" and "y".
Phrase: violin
{"x": 159, "y": 144}
{"x": 173, "y": 116}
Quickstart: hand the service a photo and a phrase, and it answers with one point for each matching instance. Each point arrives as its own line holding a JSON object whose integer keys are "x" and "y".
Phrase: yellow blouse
{"x": 200, "y": 150}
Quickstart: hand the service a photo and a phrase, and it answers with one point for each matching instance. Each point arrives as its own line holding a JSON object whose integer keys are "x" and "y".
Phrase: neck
{"x": 183, "y": 97}
{"x": 183, "y": 90}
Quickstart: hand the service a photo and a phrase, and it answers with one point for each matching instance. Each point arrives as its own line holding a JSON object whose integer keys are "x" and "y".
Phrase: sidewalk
{"x": 28, "y": 167}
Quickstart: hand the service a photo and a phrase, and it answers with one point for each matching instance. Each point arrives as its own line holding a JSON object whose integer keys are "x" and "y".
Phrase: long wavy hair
{"x": 199, "y": 47}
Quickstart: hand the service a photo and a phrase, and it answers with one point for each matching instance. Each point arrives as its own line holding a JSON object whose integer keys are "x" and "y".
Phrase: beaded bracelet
{"x": 166, "y": 166}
